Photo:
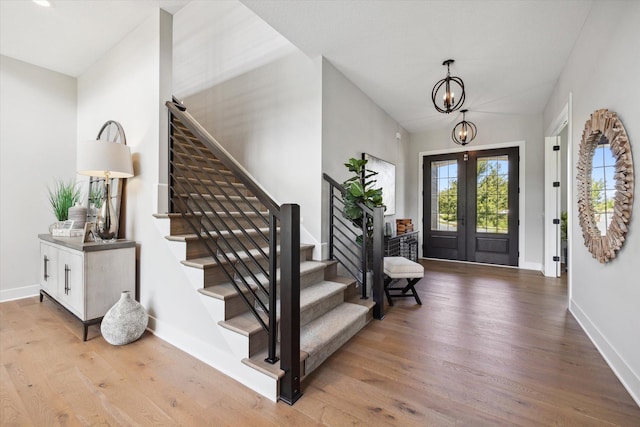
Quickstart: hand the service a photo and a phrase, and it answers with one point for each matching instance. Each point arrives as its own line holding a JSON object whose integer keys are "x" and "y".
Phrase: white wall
{"x": 353, "y": 124}
{"x": 603, "y": 71}
{"x": 492, "y": 131}
{"x": 37, "y": 145}
{"x": 262, "y": 106}
{"x": 130, "y": 85}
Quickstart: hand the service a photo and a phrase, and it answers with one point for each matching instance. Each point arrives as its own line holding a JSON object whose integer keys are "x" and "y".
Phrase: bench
{"x": 397, "y": 268}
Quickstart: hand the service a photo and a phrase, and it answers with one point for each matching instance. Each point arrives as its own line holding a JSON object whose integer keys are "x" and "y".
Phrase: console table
{"x": 404, "y": 245}
{"x": 86, "y": 279}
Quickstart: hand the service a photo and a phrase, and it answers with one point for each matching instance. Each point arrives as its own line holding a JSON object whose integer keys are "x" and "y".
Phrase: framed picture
{"x": 386, "y": 179}
{"x": 88, "y": 232}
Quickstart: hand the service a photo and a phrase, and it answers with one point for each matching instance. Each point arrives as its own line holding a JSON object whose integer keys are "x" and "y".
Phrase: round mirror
{"x": 605, "y": 184}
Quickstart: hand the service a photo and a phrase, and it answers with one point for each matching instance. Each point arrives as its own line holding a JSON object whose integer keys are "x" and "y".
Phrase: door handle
{"x": 66, "y": 279}
{"x": 46, "y": 272}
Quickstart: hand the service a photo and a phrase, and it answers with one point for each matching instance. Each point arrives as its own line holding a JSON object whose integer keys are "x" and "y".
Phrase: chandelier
{"x": 447, "y": 98}
{"x": 464, "y": 132}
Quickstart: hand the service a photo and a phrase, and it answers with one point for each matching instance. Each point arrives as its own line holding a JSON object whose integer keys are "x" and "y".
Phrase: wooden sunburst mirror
{"x": 605, "y": 184}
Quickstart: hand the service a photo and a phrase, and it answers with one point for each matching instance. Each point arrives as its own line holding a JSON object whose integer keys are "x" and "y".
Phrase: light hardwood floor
{"x": 490, "y": 346}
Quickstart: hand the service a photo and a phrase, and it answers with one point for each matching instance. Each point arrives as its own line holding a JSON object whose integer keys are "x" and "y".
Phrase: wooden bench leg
{"x": 387, "y": 282}
{"x": 410, "y": 287}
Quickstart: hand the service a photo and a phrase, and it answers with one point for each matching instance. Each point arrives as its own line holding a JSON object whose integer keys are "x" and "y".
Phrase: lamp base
{"x": 107, "y": 221}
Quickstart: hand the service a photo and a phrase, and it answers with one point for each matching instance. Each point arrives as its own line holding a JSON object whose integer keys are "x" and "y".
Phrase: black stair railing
{"x": 357, "y": 256}
{"x": 240, "y": 226}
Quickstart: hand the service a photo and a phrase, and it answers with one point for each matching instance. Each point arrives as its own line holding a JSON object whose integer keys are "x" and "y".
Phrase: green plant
{"x": 62, "y": 196}
{"x": 563, "y": 226}
{"x": 95, "y": 197}
{"x": 360, "y": 190}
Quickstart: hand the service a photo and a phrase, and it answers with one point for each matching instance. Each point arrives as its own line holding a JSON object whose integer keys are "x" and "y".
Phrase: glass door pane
{"x": 492, "y": 194}
{"x": 444, "y": 195}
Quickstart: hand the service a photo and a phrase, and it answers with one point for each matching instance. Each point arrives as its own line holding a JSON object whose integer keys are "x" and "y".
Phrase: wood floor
{"x": 490, "y": 346}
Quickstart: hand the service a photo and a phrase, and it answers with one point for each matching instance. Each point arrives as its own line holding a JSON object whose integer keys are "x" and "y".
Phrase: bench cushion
{"x": 398, "y": 267}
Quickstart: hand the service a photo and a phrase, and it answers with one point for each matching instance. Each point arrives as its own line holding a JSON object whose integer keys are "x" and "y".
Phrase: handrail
{"x": 214, "y": 205}
{"x": 344, "y": 253}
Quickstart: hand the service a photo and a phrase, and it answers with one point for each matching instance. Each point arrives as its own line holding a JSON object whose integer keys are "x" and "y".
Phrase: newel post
{"x": 290, "y": 303}
{"x": 378, "y": 262}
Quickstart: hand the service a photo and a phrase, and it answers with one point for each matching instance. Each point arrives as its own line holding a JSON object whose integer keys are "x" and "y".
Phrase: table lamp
{"x": 109, "y": 160}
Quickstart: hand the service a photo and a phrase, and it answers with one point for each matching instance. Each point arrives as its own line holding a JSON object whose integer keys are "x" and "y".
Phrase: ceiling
{"x": 71, "y": 35}
{"x": 509, "y": 53}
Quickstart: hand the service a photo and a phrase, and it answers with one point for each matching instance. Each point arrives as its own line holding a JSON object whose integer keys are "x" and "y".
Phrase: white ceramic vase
{"x": 125, "y": 322}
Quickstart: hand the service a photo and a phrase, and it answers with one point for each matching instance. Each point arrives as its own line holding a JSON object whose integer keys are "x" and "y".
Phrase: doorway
{"x": 470, "y": 206}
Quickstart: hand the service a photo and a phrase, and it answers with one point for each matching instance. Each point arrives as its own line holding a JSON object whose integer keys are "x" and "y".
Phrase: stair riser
{"x": 215, "y": 276}
{"x": 204, "y": 173}
{"x": 238, "y": 221}
{"x": 197, "y": 248}
{"x": 198, "y": 162}
{"x": 181, "y": 226}
{"x": 242, "y": 242}
{"x": 215, "y": 205}
{"x": 314, "y": 311}
{"x": 236, "y": 305}
{"x": 219, "y": 204}
{"x": 315, "y": 360}
{"x": 220, "y": 187}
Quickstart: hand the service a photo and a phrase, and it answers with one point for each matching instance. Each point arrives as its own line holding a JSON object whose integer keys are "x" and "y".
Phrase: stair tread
{"x": 205, "y": 181}
{"x": 193, "y": 236}
{"x": 258, "y": 362}
{"x": 206, "y": 169}
{"x": 226, "y": 290}
{"x": 247, "y": 325}
{"x": 319, "y": 332}
{"x": 208, "y": 262}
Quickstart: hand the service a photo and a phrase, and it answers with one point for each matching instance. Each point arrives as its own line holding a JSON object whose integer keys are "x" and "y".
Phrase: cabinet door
{"x": 71, "y": 286}
{"x": 49, "y": 275}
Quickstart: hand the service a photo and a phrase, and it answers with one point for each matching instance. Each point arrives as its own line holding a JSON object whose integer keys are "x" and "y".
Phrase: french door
{"x": 471, "y": 206}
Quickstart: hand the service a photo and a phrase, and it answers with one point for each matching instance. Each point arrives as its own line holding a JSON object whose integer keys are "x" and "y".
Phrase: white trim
{"x": 227, "y": 363}
{"x": 551, "y": 232}
{"x": 629, "y": 379}
{"x": 526, "y": 266}
{"x": 19, "y": 293}
{"x": 563, "y": 119}
{"x": 521, "y": 182}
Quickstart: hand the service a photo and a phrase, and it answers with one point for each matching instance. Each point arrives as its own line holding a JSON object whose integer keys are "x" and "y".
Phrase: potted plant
{"x": 360, "y": 190}
{"x": 62, "y": 196}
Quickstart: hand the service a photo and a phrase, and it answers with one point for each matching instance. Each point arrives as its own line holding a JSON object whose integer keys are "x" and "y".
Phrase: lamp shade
{"x": 99, "y": 158}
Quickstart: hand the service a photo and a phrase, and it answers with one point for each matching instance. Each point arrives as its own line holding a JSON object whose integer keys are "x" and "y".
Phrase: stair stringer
{"x": 224, "y": 357}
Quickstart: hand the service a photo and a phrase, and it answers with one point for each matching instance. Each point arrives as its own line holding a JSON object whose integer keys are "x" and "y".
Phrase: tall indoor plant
{"x": 360, "y": 190}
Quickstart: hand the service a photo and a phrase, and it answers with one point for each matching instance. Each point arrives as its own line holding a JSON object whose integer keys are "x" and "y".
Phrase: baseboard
{"x": 224, "y": 362}
{"x": 531, "y": 266}
{"x": 19, "y": 293}
{"x": 629, "y": 379}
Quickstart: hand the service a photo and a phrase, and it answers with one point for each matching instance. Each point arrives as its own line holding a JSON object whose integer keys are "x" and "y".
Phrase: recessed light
{"x": 43, "y": 3}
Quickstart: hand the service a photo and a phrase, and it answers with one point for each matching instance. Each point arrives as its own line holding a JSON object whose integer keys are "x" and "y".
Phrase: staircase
{"x": 230, "y": 244}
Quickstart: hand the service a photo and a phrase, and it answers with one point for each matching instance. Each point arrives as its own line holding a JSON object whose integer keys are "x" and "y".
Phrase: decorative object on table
{"x": 403, "y": 226}
{"x": 464, "y": 131}
{"x": 89, "y": 231}
{"x": 78, "y": 214}
{"x": 125, "y": 322}
{"x": 109, "y": 159}
{"x": 605, "y": 184}
{"x": 445, "y": 90}
{"x": 62, "y": 196}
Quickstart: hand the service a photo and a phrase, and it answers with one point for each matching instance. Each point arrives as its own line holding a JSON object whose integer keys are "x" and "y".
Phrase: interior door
{"x": 471, "y": 206}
